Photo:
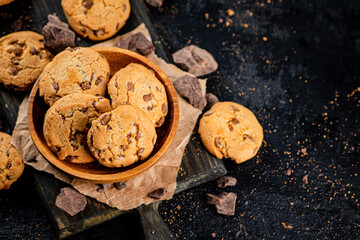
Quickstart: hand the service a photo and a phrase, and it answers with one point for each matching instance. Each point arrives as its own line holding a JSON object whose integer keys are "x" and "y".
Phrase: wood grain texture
{"x": 197, "y": 166}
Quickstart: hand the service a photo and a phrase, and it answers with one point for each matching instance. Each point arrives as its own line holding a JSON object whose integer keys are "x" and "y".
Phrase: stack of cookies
{"x": 82, "y": 125}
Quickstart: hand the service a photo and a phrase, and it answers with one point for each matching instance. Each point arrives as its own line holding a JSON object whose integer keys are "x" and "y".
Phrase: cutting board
{"x": 197, "y": 166}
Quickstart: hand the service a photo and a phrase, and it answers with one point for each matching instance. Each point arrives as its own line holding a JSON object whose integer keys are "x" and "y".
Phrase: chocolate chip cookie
{"x": 121, "y": 137}
{"x": 22, "y": 59}
{"x": 230, "y": 130}
{"x": 136, "y": 85}
{"x": 96, "y": 19}
{"x": 67, "y": 123}
{"x": 74, "y": 70}
{"x": 11, "y": 165}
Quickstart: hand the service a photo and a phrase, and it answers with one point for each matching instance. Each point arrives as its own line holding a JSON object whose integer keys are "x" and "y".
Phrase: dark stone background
{"x": 295, "y": 64}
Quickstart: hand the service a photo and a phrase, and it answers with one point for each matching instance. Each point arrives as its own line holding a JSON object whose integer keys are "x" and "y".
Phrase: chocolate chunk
{"x": 34, "y": 51}
{"x": 69, "y": 158}
{"x": 231, "y": 127}
{"x": 129, "y": 86}
{"x": 138, "y": 136}
{"x": 158, "y": 193}
{"x": 195, "y": 60}
{"x": 124, "y": 147}
{"x": 105, "y": 118}
{"x": 234, "y": 121}
{"x": 87, "y": 4}
{"x": 147, "y": 97}
{"x": 149, "y": 108}
{"x": 98, "y": 80}
{"x": 8, "y": 165}
{"x": 155, "y": 3}
{"x": 137, "y": 43}
{"x": 18, "y": 51}
{"x": 218, "y": 143}
{"x": 71, "y": 201}
{"x": 227, "y": 203}
{"x": 57, "y": 35}
{"x": 141, "y": 43}
{"x": 13, "y": 71}
{"x": 85, "y": 85}
{"x": 129, "y": 138}
{"x": 189, "y": 87}
{"x": 140, "y": 152}
{"x": 103, "y": 186}
{"x": 211, "y": 99}
{"x": 226, "y": 181}
{"x": 212, "y": 199}
{"x": 120, "y": 185}
{"x": 164, "y": 108}
{"x": 161, "y": 121}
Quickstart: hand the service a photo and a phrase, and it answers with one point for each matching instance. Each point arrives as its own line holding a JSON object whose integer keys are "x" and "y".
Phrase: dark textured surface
{"x": 296, "y": 65}
{"x": 300, "y": 81}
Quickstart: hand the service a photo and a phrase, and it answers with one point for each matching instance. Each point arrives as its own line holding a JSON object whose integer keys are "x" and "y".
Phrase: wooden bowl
{"x": 117, "y": 58}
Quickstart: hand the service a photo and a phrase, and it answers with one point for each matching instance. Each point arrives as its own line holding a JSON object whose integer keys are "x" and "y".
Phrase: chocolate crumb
{"x": 158, "y": 193}
{"x": 226, "y": 181}
{"x": 155, "y": 3}
{"x": 71, "y": 201}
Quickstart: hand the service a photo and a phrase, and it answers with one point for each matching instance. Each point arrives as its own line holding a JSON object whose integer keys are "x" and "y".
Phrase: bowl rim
{"x": 111, "y": 177}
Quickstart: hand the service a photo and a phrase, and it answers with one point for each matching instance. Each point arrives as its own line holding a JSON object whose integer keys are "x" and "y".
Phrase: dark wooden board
{"x": 197, "y": 167}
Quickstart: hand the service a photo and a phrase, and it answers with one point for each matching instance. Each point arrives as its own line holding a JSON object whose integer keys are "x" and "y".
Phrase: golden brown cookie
{"x": 121, "y": 137}
{"x": 22, "y": 59}
{"x": 136, "y": 85}
{"x": 74, "y": 70}
{"x": 11, "y": 165}
{"x": 231, "y": 130}
{"x": 67, "y": 123}
{"x": 96, "y": 19}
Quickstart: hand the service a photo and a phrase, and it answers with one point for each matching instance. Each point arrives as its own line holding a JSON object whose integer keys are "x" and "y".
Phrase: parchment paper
{"x": 161, "y": 175}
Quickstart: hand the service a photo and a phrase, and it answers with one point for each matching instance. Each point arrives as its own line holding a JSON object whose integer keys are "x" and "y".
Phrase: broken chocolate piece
{"x": 189, "y": 87}
{"x": 155, "y": 3}
{"x": 137, "y": 43}
{"x": 195, "y": 60}
{"x": 71, "y": 201}
{"x": 120, "y": 185}
{"x": 212, "y": 199}
{"x": 158, "y": 193}
{"x": 57, "y": 35}
{"x": 227, "y": 203}
{"x": 226, "y": 181}
{"x": 87, "y": 4}
{"x": 211, "y": 99}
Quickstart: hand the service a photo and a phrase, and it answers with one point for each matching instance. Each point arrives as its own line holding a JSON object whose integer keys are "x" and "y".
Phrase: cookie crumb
{"x": 287, "y": 226}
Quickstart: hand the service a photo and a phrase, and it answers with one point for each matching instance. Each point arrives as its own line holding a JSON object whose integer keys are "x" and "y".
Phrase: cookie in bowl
{"x": 231, "y": 130}
{"x": 74, "y": 70}
{"x": 121, "y": 137}
{"x": 22, "y": 59}
{"x": 67, "y": 123}
{"x": 137, "y": 85}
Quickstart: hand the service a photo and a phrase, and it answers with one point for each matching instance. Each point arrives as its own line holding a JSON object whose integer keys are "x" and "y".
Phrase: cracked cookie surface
{"x": 121, "y": 137}
{"x": 136, "y": 85}
{"x": 67, "y": 123}
{"x": 74, "y": 70}
{"x": 22, "y": 59}
{"x": 231, "y": 130}
{"x": 96, "y": 19}
{"x": 11, "y": 165}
